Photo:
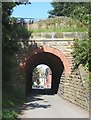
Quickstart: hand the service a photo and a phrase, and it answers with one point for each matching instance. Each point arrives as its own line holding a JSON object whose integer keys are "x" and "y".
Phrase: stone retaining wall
{"x": 72, "y": 89}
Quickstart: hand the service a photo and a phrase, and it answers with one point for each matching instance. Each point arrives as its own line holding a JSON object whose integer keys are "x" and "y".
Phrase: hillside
{"x": 58, "y": 24}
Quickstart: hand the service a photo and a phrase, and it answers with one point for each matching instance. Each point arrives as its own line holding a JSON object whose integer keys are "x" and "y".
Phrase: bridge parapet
{"x": 63, "y": 35}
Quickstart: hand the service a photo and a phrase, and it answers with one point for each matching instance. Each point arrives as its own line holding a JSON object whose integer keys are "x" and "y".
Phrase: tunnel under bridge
{"x": 57, "y": 54}
{"x": 49, "y": 56}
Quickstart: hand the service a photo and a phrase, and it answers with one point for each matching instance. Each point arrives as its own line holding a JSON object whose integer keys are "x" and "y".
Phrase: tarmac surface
{"x": 51, "y": 106}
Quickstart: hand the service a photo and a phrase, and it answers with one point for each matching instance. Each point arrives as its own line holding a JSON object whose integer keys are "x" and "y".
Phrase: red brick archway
{"x": 51, "y": 50}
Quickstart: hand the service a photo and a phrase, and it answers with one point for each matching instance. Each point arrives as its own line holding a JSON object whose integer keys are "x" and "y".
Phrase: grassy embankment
{"x": 66, "y": 29}
{"x": 59, "y": 24}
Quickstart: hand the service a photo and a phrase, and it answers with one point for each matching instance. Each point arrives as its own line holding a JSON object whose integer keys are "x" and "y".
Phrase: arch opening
{"x": 42, "y": 77}
{"x": 53, "y": 62}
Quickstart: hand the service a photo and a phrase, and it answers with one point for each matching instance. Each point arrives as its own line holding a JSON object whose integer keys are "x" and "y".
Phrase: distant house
{"x": 48, "y": 74}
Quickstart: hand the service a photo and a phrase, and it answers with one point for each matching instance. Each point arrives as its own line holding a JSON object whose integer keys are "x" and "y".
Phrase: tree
{"x": 9, "y": 44}
{"x": 77, "y": 10}
{"x": 81, "y": 51}
{"x": 6, "y": 26}
{"x": 18, "y": 2}
{"x": 36, "y": 73}
{"x": 82, "y": 12}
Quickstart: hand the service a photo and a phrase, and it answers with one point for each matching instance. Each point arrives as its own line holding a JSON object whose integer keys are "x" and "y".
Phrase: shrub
{"x": 81, "y": 52}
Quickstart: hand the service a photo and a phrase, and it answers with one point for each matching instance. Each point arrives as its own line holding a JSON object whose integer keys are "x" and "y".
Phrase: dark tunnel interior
{"x": 50, "y": 60}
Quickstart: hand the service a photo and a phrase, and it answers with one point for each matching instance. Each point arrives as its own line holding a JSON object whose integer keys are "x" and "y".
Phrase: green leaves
{"x": 80, "y": 11}
{"x": 20, "y": 32}
{"x": 11, "y": 32}
{"x": 76, "y": 10}
{"x": 81, "y": 51}
{"x": 9, "y": 114}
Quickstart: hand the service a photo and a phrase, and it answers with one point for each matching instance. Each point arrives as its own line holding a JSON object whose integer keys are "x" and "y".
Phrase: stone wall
{"x": 72, "y": 89}
{"x": 63, "y": 35}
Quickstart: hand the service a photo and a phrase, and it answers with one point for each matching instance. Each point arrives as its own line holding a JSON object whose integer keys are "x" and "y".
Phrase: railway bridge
{"x": 56, "y": 51}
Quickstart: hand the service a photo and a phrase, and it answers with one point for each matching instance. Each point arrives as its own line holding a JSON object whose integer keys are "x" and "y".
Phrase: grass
{"x": 11, "y": 99}
{"x": 8, "y": 114}
{"x": 59, "y": 24}
{"x": 65, "y": 29}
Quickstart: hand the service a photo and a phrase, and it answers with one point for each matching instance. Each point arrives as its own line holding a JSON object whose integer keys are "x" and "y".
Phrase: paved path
{"x": 51, "y": 106}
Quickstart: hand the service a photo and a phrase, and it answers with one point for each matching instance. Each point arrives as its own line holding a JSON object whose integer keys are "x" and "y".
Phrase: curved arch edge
{"x": 51, "y": 50}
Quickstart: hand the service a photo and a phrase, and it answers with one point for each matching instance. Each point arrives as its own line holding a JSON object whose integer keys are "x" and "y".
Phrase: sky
{"x": 36, "y": 10}
{"x": 42, "y": 66}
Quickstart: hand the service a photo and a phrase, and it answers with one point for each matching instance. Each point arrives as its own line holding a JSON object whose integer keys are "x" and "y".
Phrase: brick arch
{"x": 51, "y": 50}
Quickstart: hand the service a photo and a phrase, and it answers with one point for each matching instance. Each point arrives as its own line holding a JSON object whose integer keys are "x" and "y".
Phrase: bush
{"x": 81, "y": 52}
{"x": 21, "y": 32}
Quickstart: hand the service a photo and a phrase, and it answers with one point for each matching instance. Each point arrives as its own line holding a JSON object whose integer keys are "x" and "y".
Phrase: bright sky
{"x": 42, "y": 66}
{"x": 35, "y": 10}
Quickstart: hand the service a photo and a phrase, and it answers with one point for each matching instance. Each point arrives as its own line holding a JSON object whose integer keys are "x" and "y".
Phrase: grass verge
{"x": 65, "y": 29}
{"x": 11, "y": 100}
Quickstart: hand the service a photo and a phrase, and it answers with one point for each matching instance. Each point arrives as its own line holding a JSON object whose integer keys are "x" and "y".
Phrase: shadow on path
{"x": 35, "y": 105}
{"x": 42, "y": 92}
{"x": 35, "y": 101}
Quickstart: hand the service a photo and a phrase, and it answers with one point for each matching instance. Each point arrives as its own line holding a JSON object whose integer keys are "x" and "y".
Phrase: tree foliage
{"x": 18, "y": 2}
{"x": 81, "y": 51}
{"x": 77, "y": 10}
{"x": 9, "y": 43}
{"x": 82, "y": 12}
{"x": 36, "y": 73}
